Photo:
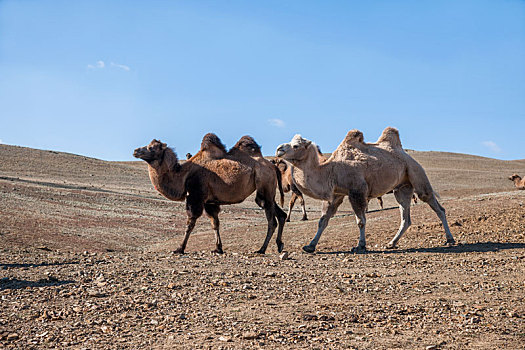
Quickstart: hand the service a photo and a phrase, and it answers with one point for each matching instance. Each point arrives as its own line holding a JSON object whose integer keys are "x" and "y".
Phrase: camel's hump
{"x": 391, "y": 136}
{"x": 248, "y": 144}
{"x": 353, "y": 137}
{"x": 210, "y": 139}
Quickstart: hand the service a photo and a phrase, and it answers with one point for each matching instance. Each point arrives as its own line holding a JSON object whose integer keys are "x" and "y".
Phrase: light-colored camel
{"x": 214, "y": 177}
{"x": 285, "y": 169}
{"x": 361, "y": 171}
{"x": 518, "y": 181}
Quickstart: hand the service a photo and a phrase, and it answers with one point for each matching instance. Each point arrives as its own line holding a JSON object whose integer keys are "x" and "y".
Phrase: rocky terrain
{"x": 86, "y": 263}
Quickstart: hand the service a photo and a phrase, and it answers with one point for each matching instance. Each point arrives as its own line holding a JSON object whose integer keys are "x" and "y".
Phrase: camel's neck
{"x": 310, "y": 176}
{"x": 169, "y": 177}
{"x": 517, "y": 182}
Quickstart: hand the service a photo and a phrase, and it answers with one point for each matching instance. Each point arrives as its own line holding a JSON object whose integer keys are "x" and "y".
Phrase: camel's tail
{"x": 279, "y": 183}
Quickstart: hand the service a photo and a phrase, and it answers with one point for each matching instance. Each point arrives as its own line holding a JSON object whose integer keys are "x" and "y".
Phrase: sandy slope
{"x": 85, "y": 262}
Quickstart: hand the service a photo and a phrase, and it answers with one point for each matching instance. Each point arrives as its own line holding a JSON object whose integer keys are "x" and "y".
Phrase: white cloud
{"x": 1, "y": 141}
{"x": 99, "y": 64}
{"x": 121, "y": 66}
{"x": 277, "y": 122}
{"x": 492, "y": 146}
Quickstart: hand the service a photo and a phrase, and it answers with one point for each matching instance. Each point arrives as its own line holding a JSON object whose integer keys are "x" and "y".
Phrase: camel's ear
{"x": 308, "y": 143}
{"x": 163, "y": 145}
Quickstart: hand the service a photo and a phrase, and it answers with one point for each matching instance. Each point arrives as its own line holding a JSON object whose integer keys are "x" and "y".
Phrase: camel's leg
{"x": 290, "y": 206}
{"x": 194, "y": 208}
{"x": 281, "y": 219}
{"x": 359, "y": 205}
{"x": 268, "y": 206}
{"x": 403, "y": 196}
{"x": 380, "y": 200}
{"x": 329, "y": 209}
{"x": 212, "y": 210}
{"x": 305, "y": 217}
{"x": 431, "y": 200}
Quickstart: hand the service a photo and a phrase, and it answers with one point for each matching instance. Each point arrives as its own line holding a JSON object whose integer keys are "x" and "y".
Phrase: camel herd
{"x": 361, "y": 171}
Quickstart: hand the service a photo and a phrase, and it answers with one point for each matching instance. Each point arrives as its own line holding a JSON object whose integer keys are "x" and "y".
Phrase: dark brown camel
{"x": 214, "y": 177}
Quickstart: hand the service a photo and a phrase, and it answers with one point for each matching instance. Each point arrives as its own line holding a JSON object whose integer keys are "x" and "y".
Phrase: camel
{"x": 215, "y": 177}
{"x": 518, "y": 181}
{"x": 285, "y": 169}
{"x": 361, "y": 171}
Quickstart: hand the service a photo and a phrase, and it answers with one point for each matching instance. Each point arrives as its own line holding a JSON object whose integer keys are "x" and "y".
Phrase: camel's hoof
{"x": 287, "y": 219}
{"x": 260, "y": 251}
{"x": 304, "y": 218}
{"x": 450, "y": 242}
{"x": 280, "y": 247}
{"x": 390, "y": 246}
{"x": 359, "y": 249}
{"x": 179, "y": 251}
{"x": 217, "y": 251}
{"x": 309, "y": 249}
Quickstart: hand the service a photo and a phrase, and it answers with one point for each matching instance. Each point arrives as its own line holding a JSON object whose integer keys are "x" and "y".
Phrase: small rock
{"x": 12, "y": 336}
{"x": 225, "y": 339}
{"x": 431, "y": 347}
{"x": 249, "y": 335}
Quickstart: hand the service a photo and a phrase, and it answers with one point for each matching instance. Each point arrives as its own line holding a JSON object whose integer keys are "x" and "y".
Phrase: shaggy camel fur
{"x": 214, "y": 177}
{"x": 361, "y": 171}
{"x": 518, "y": 181}
{"x": 285, "y": 169}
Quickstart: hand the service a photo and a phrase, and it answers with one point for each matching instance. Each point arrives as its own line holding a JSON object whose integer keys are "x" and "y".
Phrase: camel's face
{"x": 152, "y": 152}
{"x": 514, "y": 176}
{"x": 295, "y": 150}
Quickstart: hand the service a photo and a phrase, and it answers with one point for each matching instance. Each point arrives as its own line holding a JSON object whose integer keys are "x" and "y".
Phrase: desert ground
{"x": 86, "y": 263}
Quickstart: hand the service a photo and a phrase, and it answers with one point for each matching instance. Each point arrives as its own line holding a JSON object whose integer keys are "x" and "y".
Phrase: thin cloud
{"x": 99, "y": 65}
{"x": 1, "y": 142}
{"x": 492, "y": 146}
{"x": 277, "y": 123}
{"x": 121, "y": 66}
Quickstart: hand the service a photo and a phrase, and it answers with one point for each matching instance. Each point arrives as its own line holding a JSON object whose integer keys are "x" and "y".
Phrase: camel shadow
{"x": 4, "y": 266}
{"x": 14, "y": 283}
{"x": 480, "y": 247}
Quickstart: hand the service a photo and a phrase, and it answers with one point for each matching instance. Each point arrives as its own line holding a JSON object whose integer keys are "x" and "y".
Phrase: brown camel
{"x": 361, "y": 171}
{"x": 285, "y": 169}
{"x": 214, "y": 177}
{"x": 518, "y": 181}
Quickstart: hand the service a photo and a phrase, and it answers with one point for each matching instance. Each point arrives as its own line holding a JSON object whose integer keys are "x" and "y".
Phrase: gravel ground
{"x": 86, "y": 263}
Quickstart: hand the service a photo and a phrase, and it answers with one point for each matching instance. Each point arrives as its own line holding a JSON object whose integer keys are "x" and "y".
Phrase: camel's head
{"x": 152, "y": 152}
{"x": 514, "y": 177}
{"x": 295, "y": 150}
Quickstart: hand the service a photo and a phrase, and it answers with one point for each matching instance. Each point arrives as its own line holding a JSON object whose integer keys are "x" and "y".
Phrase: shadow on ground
{"x": 8, "y": 283}
{"x": 480, "y": 247}
{"x": 4, "y": 266}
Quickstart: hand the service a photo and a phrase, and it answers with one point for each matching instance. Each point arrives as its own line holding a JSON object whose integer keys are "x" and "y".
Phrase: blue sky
{"x": 100, "y": 78}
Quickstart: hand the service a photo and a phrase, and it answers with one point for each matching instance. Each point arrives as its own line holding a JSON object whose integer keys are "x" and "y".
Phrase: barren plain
{"x": 86, "y": 263}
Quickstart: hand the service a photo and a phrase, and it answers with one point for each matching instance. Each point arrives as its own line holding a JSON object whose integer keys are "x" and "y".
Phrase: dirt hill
{"x": 85, "y": 262}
